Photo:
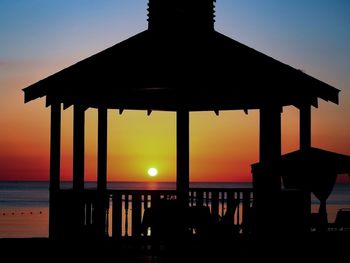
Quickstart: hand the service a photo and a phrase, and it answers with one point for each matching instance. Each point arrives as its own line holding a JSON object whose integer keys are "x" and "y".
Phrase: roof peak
{"x": 181, "y": 15}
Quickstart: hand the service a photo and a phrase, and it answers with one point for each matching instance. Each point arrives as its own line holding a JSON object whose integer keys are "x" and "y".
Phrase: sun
{"x": 152, "y": 171}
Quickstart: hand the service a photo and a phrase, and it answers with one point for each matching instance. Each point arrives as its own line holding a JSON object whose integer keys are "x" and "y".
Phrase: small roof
{"x": 171, "y": 70}
{"x": 311, "y": 160}
{"x": 314, "y": 169}
{"x": 318, "y": 159}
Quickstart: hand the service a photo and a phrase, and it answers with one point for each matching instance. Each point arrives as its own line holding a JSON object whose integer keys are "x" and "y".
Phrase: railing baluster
{"x": 238, "y": 200}
{"x": 136, "y": 215}
{"x": 117, "y": 215}
{"x": 207, "y": 198}
{"x": 223, "y": 201}
{"x": 230, "y": 203}
{"x": 145, "y": 202}
{"x": 215, "y": 204}
{"x": 155, "y": 198}
{"x": 88, "y": 212}
{"x": 246, "y": 211}
{"x": 199, "y": 197}
{"x": 126, "y": 207}
{"x": 190, "y": 195}
{"x": 108, "y": 209}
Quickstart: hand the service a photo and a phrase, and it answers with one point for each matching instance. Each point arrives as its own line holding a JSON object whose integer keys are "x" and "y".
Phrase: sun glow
{"x": 152, "y": 172}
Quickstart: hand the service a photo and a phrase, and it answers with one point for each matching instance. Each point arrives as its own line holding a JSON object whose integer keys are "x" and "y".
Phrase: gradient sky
{"x": 41, "y": 37}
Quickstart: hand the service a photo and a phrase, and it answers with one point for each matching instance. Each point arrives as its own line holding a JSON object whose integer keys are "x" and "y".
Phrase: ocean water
{"x": 24, "y": 205}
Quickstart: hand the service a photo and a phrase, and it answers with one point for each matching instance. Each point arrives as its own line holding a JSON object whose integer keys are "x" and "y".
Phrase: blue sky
{"x": 293, "y": 31}
{"x": 40, "y": 37}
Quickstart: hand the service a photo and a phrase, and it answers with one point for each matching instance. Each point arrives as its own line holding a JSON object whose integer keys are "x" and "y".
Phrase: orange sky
{"x": 221, "y": 147}
{"x": 54, "y": 36}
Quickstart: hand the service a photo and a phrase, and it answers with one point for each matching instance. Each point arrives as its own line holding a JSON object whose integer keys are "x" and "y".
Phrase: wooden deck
{"x": 332, "y": 246}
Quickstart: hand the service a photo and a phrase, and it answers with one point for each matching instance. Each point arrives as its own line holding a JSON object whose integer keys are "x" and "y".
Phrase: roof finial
{"x": 181, "y": 15}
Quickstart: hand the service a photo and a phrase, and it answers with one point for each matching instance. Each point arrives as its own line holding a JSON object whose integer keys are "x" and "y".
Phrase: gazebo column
{"x": 183, "y": 156}
{"x": 305, "y": 127}
{"x": 102, "y": 150}
{"x": 78, "y": 147}
{"x": 305, "y": 144}
{"x": 270, "y": 145}
{"x": 77, "y": 202}
{"x": 101, "y": 202}
{"x": 266, "y": 182}
{"x": 270, "y": 134}
{"x": 55, "y": 153}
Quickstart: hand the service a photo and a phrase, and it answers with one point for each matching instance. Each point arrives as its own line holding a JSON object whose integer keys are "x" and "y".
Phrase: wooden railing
{"x": 119, "y": 213}
{"x": 127, "y": 207}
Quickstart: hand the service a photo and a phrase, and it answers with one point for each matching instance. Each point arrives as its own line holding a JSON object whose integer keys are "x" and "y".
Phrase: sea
{"x": 24, "y": 206}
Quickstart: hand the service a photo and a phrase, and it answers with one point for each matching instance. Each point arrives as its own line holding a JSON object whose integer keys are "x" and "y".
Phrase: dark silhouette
{"x": 181, "y": 64}
{"x": 167, "y": 221}
{"x": 342, "y": 220}
{"x": 309, "y": 170}
{"x": 225, "y": 227}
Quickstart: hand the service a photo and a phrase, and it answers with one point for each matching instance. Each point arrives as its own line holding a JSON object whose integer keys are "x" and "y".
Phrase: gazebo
{"x": 180, "y": 64}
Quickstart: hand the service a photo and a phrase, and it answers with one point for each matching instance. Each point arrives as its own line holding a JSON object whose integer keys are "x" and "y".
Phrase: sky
{"x": 40, "y": 37}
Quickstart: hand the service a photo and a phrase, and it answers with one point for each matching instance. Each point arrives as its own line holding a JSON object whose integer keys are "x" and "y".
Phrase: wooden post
{"x": 270, "y": 134}
{"x": 305, "y": 127}
{"x": 102, "y": 150}
{"x": 55, "y": 147}
{"x": 266, "y": 182}
{"x": 270, "y": 144}
{"x": 77, "y": 216}
{"x": 183, "y": 156}
{"x": 55, "y": 154}
{"x": 305, "y": 144}
{"x": 78, "y": 147}
{"x": 101, "y": 201}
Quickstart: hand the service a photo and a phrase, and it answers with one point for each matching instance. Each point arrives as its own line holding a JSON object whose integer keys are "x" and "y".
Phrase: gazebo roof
{"x": 170, "y": 70}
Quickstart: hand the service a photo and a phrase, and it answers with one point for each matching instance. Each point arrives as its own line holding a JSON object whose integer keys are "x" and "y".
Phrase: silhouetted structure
{"x": 181, "y": 64}
{"x": 310, "y": 170}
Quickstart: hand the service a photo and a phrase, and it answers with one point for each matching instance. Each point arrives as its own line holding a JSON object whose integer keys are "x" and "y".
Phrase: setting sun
{"x": 152, "y": 171}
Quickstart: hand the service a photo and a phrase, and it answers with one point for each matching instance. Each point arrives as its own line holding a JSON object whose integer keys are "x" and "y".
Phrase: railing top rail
{"x": 222, "y": 189}
{"x": 172, "y": 192}
{"x": 141, "y": 191}
{"x": 164, "y": 191}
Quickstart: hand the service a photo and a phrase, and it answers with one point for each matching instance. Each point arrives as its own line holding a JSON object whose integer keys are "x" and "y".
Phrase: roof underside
{"x": 207, "y": 72}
